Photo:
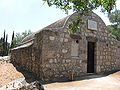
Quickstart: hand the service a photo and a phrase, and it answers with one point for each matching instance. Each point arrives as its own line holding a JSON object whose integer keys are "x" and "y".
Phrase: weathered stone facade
{"x": 53, "y": 53}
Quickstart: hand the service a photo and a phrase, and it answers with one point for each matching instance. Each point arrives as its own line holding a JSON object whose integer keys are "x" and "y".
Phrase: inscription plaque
{"x": 92, "y": 25}
{"x": 74, "y": 49}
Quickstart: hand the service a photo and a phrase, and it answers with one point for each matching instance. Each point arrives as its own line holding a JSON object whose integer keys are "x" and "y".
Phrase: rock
{"x": 64, "y": 51}
{"x": 15, "y": 84}
{"x": 5, "y": 59}
{"x": 21, "y": 84}
{"x": 66, "y": 40}
{"x": 36, "y": 85}
{"x": 52, "y": 38}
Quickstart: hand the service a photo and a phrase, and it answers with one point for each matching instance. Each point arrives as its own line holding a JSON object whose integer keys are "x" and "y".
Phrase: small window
{"x": 107, "y": 45}
{"x": 77, "y": 41}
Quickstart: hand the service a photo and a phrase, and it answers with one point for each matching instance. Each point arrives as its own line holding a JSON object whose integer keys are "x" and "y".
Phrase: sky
{"x": 21, "y": 15}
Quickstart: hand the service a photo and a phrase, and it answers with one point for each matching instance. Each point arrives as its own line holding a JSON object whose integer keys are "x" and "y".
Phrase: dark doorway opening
{"x": 90, "y": 55}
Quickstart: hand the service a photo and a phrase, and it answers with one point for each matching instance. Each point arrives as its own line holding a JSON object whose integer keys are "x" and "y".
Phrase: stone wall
{"x": 58, "y": 61}
{"x": 29, "y": 55}
{"x": 37, "y": 54}
{"x": 56, "y": 56}
{"x": 105, "y": 50}
{"x": 118, "y": 54}
{"x": 23, "y": 56}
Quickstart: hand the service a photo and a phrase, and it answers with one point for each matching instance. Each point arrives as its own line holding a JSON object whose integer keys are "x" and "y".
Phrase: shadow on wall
{"x": 29, "y": 76}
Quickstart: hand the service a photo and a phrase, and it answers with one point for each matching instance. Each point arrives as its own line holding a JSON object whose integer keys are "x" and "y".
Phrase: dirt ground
{"x": 110, "y": 82}
{"x": 8, "y": 73}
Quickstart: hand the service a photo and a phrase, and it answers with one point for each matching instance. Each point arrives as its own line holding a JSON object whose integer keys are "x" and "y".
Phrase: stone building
{"x": 52, "y": 52}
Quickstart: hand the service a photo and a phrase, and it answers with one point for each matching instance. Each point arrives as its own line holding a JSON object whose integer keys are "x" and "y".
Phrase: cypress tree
{"x": 12, "y": 42}
{"x": 4, "y": 36}
{"x": 6, "y": 45}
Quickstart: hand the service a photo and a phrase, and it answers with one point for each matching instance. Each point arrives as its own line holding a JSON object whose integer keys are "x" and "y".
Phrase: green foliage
{"x": 75, "y": 25}
{"x": 114, "y": 31}
{"x": 81, "y": 6}
{"x": 18, "y": 38}
{"x": 114, "y": 18}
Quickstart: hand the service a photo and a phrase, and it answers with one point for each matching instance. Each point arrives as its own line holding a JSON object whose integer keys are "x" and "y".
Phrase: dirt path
{"x": 111, "y": 82}
{"x": 8, "y": 73}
